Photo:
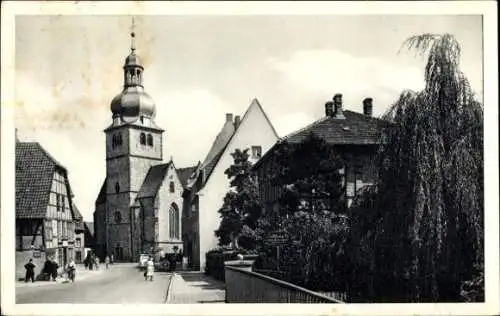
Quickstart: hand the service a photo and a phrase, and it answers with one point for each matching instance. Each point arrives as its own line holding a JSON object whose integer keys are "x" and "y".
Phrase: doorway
{"x": 118, "y": 253}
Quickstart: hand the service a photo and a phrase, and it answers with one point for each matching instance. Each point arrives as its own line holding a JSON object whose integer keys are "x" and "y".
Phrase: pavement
{"x": 122, "y": 284}
{"x": 81, "y": 274}
{"x": 195, "y": 287}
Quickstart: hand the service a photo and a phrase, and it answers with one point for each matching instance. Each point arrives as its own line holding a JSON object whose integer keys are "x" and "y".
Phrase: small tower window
{"x": 119, "y": 139}
{"x": 143, "y": 139}
{"x": 172, "y": 187}
{"x": 150, "y": 140}
{"x": 117, "y": 187}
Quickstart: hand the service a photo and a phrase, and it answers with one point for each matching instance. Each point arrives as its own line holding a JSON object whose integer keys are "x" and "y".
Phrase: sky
{"x": 198, "y": 68}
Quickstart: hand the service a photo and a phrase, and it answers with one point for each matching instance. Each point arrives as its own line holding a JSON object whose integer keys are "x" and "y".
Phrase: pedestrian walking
{"x": 71, "y": 271}
{"x": 96, "y": 262}
{"x": 106, "y": 261}
{"x": 30, "y": 271}
{"x": 54, "y": 267}
{"x": 150, "y": 269}
{"x": 112, "y": 258}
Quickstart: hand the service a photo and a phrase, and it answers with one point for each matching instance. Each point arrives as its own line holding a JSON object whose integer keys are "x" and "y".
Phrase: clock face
{"x": 118, "y": 217}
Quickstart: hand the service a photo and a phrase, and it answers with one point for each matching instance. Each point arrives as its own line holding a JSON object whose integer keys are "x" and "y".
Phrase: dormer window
{"x": 142, "y": 139}
{"x": 150, "y": 140}
{"x": 256, "y": 152}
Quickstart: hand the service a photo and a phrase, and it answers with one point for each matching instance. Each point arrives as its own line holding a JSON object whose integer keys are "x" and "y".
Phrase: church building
{"x": 138, "y": 207}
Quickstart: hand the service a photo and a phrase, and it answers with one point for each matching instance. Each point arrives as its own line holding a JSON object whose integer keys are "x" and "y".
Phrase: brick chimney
{"x": 229, "y": 117}
{"x": 237, "y": 121}
{"x": 337, "y": 103}
{"x": 368, "y": 106}
{"x": 329, "y": 108}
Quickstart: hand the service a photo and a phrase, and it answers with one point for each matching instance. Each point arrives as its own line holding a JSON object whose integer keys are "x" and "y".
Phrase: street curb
{"x": 169, "y": 287}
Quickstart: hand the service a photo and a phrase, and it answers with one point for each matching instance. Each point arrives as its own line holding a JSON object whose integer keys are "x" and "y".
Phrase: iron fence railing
{"x": 250, "y": 287}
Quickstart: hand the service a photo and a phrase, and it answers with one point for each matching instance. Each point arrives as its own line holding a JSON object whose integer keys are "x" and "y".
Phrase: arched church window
{"x": 118, "y": 217}
{"x": 172, "y": 187}
{"x": 174, "y": 230}
{"x": 117, "y": 187}
{"x": 150, "y": 140}
{"x": 143, "y": 139}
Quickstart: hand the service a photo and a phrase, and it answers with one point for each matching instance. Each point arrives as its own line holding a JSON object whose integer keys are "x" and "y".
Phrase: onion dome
{"x": 133, "y": 102}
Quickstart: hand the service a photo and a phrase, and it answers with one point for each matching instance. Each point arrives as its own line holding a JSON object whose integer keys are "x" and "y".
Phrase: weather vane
{"x": 132, "y": 35}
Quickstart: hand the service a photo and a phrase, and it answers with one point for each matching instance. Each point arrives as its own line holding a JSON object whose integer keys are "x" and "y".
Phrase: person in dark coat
{"x": 55, "y": 266}
{"x": 30, "y": 271}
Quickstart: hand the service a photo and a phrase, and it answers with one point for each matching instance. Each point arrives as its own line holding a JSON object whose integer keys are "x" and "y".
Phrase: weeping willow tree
{"x": 430, "y": 238}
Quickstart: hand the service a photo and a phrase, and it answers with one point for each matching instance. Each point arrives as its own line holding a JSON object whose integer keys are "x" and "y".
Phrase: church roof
{"x": 34, "y": 173}
{"x": 185, "y": 174}
{"x": 101, "y": 198}
{"x": 153, "y": 181}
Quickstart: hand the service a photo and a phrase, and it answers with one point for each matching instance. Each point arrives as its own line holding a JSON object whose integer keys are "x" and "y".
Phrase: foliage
{"x": 309, "y": 174}
{"x": 312, "y": 216}
{"x": 428, "y": 213}
{"x": 240, "y": 210}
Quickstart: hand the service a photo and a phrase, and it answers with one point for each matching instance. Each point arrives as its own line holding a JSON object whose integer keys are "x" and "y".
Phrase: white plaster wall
{"x": 254, "y": 130}
{"x": 166, "y": 200}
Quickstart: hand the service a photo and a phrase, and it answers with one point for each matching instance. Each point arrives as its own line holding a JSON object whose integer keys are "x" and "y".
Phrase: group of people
{"x": 49, "y": 271}
{"x": 92, "y": 261}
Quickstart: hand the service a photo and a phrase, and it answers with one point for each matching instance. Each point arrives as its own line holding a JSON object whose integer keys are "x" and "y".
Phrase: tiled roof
{"x": 218, "y": 147}
{"x": 34, "y": 173}
{"x": 89, "y": 227}
{"x": 355, "y": 129}
{"x": 77, "y": 214}
{"x": 185, "y": 173}
{"x": 153, "y": 181}
{"x": 101, "y": 198}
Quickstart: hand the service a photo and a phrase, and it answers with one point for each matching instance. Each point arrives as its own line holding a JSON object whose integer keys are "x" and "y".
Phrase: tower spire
{"x": 132, "y": 36}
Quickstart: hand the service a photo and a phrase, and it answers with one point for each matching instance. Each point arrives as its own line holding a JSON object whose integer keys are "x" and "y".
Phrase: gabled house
{"x": 207, "y": 185}
{"x": 356, "y": 137}
{"x": 46, "y": 221}
{"x": 80, "y": 236}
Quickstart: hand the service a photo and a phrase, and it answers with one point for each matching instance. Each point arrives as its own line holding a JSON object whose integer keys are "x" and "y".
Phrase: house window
{"x": 63, "y": 200}
{"x": 172, "y": 187}
{"x": 117, "y": 187}
{"x": 174, "y": 221}
{"x": 142, "y": 139}
{"x": 256, "y": 152}
{"x": 142, "y": 119}
{"x": 58, "y": 203}
{"x": 118, "y": 217}
{"x": 150, "y": 140}
{"x": 78, "y": 243}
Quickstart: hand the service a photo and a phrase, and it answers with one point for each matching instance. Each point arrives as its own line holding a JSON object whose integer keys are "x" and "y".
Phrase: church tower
{"x": 133, "y": 145}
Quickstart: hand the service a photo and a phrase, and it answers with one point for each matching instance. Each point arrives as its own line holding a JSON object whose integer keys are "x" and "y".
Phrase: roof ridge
{"x": 50, "y": 157}
{"x": 324, "y": 118}
{"x": 265, "y": 116}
